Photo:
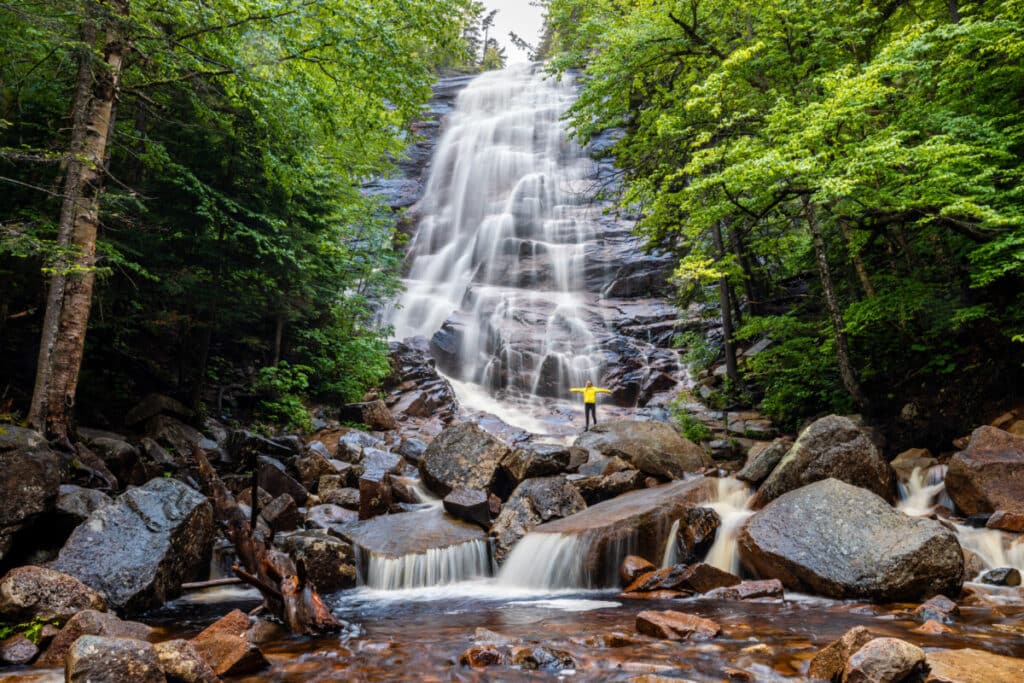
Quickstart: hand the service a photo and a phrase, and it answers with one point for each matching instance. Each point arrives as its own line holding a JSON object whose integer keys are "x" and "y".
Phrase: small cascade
{"x": 731, "y": 503}
{"x": 423, "y": 495}
{"x": 925, "y": 490}
{"x": 671, "y": 555}
{"x": 436, "y": 567}
{"x": 546, "y": 561}
{"x": 995, "y": 548}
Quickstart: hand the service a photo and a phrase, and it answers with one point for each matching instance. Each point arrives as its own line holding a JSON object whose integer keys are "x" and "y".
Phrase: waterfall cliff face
{"x": 496, "y": 268}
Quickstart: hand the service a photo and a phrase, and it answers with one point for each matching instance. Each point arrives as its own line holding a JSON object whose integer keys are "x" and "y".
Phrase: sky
{"x": 519, "y": 16}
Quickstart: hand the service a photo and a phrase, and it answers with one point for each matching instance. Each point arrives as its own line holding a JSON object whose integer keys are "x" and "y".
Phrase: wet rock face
{"x": 414, "y": 388}
{"x": 30, "y": 482}
{"x": 138, "y": 551}
{"x": 37, "y": 593}
{"x": 113, "y": 660}
{"x": 833, "y": 447}
{"x": 410, "y": 533}
{"x": 988, "y": 475}
{"x": 534, "y": 502}
{"x": 462, "y": 456}
{"x": 654, "y": 448}
{"x": 841, "y": 541}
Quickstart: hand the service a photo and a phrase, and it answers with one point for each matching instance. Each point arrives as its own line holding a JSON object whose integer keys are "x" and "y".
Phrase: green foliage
{"x": 282, "y": 389}
{"x": 699, "y": 353}
{"x": 33, "y": 630}
{"x": 693, "y": 429}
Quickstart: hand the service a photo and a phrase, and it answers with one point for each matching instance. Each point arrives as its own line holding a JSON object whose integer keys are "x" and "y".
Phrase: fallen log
{"x": 287, "y": 591}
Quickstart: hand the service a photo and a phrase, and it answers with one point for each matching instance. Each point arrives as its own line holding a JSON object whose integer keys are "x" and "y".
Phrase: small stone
{"x": 748, "y": 590}
{"x": 830, "y": 662}
{"x": 17, "y": 650}
{"x": 932, "y": 628}
{"x": 470, "y": 505}
{"x": 484, "y": 636}
{"x": 884, "y": 660}
{"x": 1004, "y": 576}
{"x": 225, "y": 645}
{"x": 633, "y": 567}
{"x": 538, "y": 658}
{"x": 112, "y": 660}
{"x": 90, "y": 623}
{"x": 672, "y": 625}
{"x": 484, "y": 655}
{"x": 281, "y": 514}
{"x": 40, "y": 594}
{"x": 1007, "y": 520}
{"x": 939, "y": 608}
{"x": 181, "y": 662}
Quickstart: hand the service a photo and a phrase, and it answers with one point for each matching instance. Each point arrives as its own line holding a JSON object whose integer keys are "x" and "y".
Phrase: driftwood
{"x": 286, "y": 590}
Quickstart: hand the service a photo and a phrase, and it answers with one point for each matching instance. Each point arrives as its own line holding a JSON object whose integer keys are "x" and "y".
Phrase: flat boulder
{"x": 673, "y": 625}
{"x": 833, "y": 447}
{"x": 462, "y": 456}
{"x": 988, "y": 475}
{"x": 40, "y": 594}
{"x": 139, "y": 550}
{"x": 541, "y": 460}
{"x": 748, "y": 590}
{"x": 112, "y": 660}
{"x": 410, "y": 533}
{"x": 973, "y": 666}
{"x": 842, "y": 541}
{"x": 534, "y": 502}
{"x": 654, "y": 448}
{"x": 695, "y": 578}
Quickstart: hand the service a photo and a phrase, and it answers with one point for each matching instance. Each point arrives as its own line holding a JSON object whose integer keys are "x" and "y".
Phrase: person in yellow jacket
{"x": 590, "y": 393}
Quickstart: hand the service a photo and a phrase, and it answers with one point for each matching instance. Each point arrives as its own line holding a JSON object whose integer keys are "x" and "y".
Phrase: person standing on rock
{"x": 590, "y": 393}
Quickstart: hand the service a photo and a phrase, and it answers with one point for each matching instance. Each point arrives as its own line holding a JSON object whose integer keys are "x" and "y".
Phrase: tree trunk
{"x": 954, "y": 11}
{"x": 846, "y": 371}
{"x": 68, "y": 302}
{"x": 858, "y": 262}
{"x": 725, "y": 300}
{"x": 278, "y": 338}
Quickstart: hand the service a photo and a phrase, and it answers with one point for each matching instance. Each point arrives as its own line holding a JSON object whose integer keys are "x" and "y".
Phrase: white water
{"x": 924, "y": 491}
{"x": 436, "y": 567}
{"x": 731, "y": 500}
{"x": 546, "y": 561}
{"x": 500, "y": 244}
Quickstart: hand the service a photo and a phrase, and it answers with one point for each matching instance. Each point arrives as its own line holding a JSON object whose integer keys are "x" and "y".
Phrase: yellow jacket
{"x": 590, "y": 393}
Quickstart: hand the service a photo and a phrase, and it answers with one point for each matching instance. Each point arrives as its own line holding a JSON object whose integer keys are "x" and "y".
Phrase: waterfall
{"x": 731, "y": 500}
{"x": 542, "y": 560}
{"x": 496, "y": 269}
{"x": 436, "y": 567}
{"x": 926, "y": 489}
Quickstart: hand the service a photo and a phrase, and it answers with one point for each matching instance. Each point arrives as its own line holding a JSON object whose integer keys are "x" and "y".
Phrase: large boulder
{"x": 112, "y": 660}
{"x": 30, "y": 482}
{"x": 654, "y": 448}
{"x": 842, "y": 541}
{"x": 462, "y": 456}
{"x": 534, "y": 502}
{"x": 39, "y": 594}
{"x": 75, "y": 503}
{"x": 330, "y": 562}
{"x": 91, "y": 623}
{"x": 989, "y": 474}
{"x": 973, "y": 666}
{"x": 833, "y": 447}
{"x": 139, "y": 550}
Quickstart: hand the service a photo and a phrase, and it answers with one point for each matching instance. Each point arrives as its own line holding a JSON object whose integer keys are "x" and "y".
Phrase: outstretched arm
{"x": 576, "y": 390}
{"x": 603, "y": 391}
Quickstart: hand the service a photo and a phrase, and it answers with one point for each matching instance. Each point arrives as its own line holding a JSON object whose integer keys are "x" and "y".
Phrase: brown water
{"x": 419, "y": 635}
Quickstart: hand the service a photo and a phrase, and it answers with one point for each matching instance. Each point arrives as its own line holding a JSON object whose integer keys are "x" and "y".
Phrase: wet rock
{"x": 344, "y": 497}
{"x": 75, "y": 503}
{"x": 412, "y": 450}
{"x": 973, "y": 666}
{"x": 117, "y": 454}
{"x": 90, "y": 623}
{"x": 830, "y": 662}
{"x": 748, "y": 590}
{"x": 40, "y": 594}
{"x": 351, "y": 445}
{"x": 281, "y": 514}
{"x": 534, "y": 502}
{"x": 643, "y": 518}
{"x": 1007, "y": 520}
{"x": 312, "y": 466}
{"x": 242, "y": 445}
{"x": 538, "y": 460}
{"x": 989, "y": 474}
{"x": 17, "y": 650}
{"x": 906, "y": 462}
{"x": 330, "y": 562}
{"x": 469, "y": 505}
{"x": 973, "y": 565}
{"x": 226, "y": 647}
{"x": 485, "y": 655}
{"x": 939, "y": 608}
{"x": 174, "y": 435}
{"x": 539, "y": 658}
{"x": 112, "y": 660}
{"x": 463, "y": 455}
{"x": 842, "y": 541}
{"x": 375, "y": 495}
{"x": 932, "y": 628}
{"x": 275, "y": 479}
{"x": 654, "y": 448}
{"x": 696, "y": 578}
{"x": 1004, "y": 576}
{"x": 414, "y": 387}
{"x": 410, "y": 533}
{"x": 376, "y": 416}
{"x": 601, "y": 488}
{"x": 672, "y": 625}
{"x": 330, "y": 517}
{"x": 245, "y": 497}
{"x": 633, "y": 567}
{"x": 762, "y": 459}
{"x": 884, "y": 660}
{"x": 182, "y": 663}
{"x": 832, "y": 447}
{"x": 138, "y": 551}
{"x": 697, "y": 530}
{"x": 30, "y": 482}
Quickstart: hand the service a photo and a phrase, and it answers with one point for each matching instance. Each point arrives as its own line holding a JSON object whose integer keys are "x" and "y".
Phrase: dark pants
{"x": 590, "y": 411}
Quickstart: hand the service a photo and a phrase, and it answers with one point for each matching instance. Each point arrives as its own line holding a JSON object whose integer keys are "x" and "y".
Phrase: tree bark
{"x": 62, "y": 343}
{"x": 725, "y": 301}
{"x": 858, "y": 262}
{"x": 846, "y": 371}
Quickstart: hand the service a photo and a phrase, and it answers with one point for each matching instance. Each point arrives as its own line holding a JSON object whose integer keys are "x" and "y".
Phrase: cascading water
{"x": 436, "y": 567}
{"x": 731, "y": 503}
{"x": 497, "y": 263}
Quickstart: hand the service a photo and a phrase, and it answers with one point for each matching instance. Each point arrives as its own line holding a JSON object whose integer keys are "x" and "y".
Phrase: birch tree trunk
{"x": 69, "y": 300}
